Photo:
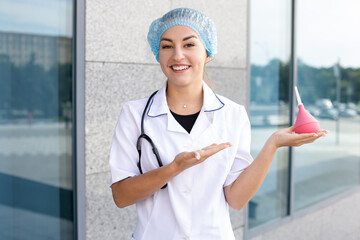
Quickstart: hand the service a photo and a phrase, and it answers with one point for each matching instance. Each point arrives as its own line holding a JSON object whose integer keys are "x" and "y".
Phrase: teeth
{"x": 178, "y": 68}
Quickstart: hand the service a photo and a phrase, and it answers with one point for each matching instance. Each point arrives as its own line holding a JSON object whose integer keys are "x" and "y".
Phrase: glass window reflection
{"x": 36, "y": 120}
{"x": 269, "y": 102}
{"x": 329, "y": 81}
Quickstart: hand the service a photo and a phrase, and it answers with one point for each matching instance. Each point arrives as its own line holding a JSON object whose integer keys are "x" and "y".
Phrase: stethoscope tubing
{"x": 147, "y": 138}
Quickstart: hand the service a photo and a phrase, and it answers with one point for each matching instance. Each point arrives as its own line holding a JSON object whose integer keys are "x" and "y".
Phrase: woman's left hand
{"x": 245, "y": 186}
{"x": 287, "y": 137}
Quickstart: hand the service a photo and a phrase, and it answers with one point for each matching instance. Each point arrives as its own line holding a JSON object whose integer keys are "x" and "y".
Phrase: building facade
{"x": 66, "y": 73}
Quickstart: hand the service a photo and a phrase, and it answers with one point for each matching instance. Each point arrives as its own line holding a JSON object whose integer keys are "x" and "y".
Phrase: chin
{"x": 181, "y": 82}
{"x": 184, "y": 81}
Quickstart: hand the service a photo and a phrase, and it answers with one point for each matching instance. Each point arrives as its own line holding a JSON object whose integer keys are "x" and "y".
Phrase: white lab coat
{"x": 193, "y": 205}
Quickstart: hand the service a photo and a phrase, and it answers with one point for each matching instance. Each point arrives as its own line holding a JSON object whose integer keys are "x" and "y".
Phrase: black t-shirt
{"x": 186, "y": 121}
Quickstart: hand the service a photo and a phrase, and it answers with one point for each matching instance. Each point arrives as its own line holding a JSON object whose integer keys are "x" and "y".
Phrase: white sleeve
{"x": 123, "y": 152}
{"x": 243, "y": 157}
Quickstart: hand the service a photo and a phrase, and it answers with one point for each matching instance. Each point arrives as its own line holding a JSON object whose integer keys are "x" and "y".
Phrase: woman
{"x": 202, "y": 139}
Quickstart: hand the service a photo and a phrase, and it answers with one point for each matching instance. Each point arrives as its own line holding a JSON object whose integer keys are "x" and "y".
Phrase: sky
{"x": 327, "y": 31}
{"x": 46, "y": 17}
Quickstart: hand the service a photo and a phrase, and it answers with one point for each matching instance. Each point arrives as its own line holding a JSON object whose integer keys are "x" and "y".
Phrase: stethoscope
{"x": 147, "y": 138}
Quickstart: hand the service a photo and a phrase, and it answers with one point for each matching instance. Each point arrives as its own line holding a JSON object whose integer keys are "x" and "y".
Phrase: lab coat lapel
{"x": 158, "y": 105}
{"x": 206, "y": 117}
{"x": 159, "y": 108}
{"x": 203, "y": 122}
{"x": 173, "y": 125}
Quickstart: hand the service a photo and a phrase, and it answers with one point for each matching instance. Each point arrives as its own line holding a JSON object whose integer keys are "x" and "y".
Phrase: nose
{"x": 178, "y": 54}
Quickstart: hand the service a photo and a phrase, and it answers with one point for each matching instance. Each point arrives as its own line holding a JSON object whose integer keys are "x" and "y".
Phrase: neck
{"x": 184, "y": 100}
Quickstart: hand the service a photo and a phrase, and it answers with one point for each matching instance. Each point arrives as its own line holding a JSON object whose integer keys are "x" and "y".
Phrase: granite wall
{"x": 121, "y": 67}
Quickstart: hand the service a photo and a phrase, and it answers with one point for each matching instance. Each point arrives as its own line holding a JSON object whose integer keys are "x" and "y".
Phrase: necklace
{"x": 186, "y": 106}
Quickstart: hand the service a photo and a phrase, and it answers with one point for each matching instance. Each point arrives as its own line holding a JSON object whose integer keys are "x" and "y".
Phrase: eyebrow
{"x": 187, "y": 38}
{"x": 184, "y": 39}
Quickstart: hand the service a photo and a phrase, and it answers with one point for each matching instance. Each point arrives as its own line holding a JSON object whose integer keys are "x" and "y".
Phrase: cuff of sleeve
{"x": 120, "y": 176}
{"x": 232, "y": 177}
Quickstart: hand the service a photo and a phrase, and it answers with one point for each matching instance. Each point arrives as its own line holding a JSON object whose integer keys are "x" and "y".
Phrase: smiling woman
{"x": 182, "y": 60}
{"x": 202, "y": 139}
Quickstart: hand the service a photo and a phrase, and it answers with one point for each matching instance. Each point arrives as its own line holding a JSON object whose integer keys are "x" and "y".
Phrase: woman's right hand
{"x": 186, "y": 160}
{"x": 134, "y": 189}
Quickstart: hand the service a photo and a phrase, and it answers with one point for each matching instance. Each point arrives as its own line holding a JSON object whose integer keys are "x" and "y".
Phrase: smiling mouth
{"x": 180, "y": 68}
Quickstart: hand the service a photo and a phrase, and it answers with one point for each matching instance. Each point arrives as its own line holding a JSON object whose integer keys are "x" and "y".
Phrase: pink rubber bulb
{"x": 305, "y": 122}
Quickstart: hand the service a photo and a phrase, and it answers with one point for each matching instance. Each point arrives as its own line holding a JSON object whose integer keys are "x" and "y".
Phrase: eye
{"x": 166, "y": 46}
{"x": 189, "y": 45}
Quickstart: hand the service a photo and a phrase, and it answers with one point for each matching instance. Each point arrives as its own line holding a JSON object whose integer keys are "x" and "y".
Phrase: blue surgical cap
{"x": 200, "y": 23}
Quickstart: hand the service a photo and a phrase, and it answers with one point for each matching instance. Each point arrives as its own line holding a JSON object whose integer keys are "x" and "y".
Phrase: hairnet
{"x": 201, "y": 24}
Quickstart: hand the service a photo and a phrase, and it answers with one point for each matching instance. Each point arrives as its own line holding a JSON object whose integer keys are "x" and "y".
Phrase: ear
{"x": 208, "y": 59}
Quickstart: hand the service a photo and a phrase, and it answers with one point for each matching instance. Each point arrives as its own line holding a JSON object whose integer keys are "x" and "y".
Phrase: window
{"x": 329, "y": 83}
{"x": 36, "y": 156}
{"x": 328, "y": 79}
{"x": 269, "y": 101}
